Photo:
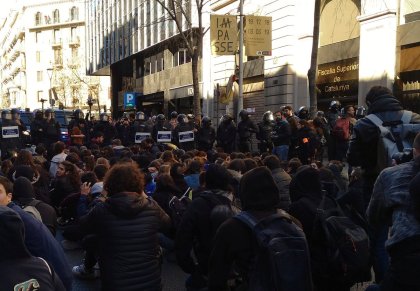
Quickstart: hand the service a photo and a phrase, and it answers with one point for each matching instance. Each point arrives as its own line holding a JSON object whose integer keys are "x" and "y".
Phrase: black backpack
{"x": 345, "y": 256}
{"x": 282, "y": 260}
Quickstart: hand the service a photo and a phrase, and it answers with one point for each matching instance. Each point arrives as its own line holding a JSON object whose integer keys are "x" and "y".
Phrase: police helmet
{"x": 320, "y": 114}
{"x": 360, "y": 112}
{"x": 303, "y": 113}
{"x": 182, "y": 118}
{"x": 174, "y": 114}
{"x": 15, "y": 114}
{"x": 226, "y": 118}
{"x": 38, "y": 114}
{"x": 104, "y": 117}
{"x": 206, "y": 121}
{"x": 140, "y": 116}
{"x": 49, "y": 112}
{"x": 78, "y": 114}
{"x": 160, "y": 117}
{"x": 6, "y": 115}
{"x": 268, "y": 116}
{"x": 243, "y": 114}
{"x": 335, "y": 105}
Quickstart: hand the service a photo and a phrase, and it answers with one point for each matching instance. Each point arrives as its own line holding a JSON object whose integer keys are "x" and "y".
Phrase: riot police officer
{"x": 332, "y": 116}
{"x": 360, "y": 112}
{"x": 183, "y": 134}
{"x": 51, "y": 129}
{"x": 160, "y": 125}
{"x": 10, "y": 135}
{"x": 226, "y": 134}
{"x": 139, "y": 125}
{"x": 264, "y": 132}
{"x": 37, "y": 128}
{"x": 246, "y": 128}
{"x": 78, "y": 128}
{"x": 106, "y": 128}
{"x": 206, "y": 135}
{"x": 303, "y": 113}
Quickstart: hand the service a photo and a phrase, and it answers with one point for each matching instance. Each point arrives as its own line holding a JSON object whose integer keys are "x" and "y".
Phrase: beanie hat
{"x": 22, "y": 188}
{"x": 217, "y": 177}
{"x": 258, "y": 191}
{"x": 306, "y": 182}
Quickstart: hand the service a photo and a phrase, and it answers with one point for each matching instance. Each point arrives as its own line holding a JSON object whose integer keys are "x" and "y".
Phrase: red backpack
{"x": 341, "y": 130}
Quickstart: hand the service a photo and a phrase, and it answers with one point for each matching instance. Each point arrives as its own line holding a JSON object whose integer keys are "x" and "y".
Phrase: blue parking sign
{"x": 129, "y": 99}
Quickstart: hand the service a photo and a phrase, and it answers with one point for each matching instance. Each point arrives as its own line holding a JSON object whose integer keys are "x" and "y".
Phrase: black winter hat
{"x": 22, "y": 188}
{"x": 258, "y": 191}
{"x": 306, "y": 182}
{"x": 27, "y": 172}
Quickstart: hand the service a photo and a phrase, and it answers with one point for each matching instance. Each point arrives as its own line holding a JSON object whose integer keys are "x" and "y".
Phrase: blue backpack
{"x": 282, "y": 261}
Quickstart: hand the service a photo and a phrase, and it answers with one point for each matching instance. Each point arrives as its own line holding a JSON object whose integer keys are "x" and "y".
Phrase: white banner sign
{"x": 186, "y": 136}
{"x": 164, "y": 136}
{"x": 10, "y": 132}
{"x": 140, "y": 136}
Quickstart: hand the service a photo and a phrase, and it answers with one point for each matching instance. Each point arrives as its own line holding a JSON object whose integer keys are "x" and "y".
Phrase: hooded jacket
{"x": 40, "y": 243}
{"x": 20, "y": 270}
{"x": 127, "y": 226}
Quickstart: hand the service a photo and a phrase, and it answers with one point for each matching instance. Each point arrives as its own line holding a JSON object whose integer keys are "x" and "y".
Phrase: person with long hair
{"x": 67, "y": 182}
{"x": 126, "y": 226}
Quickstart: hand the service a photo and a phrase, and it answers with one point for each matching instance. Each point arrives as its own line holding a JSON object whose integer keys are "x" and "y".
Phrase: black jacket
{"x": 282, "y": 133}
{"x": 205, "y": 138}
{"x": 364, "y": 141}
{"x": 246, "y": 128}
{"x": 181, "y": 127}
{"x": 127, "y": 226}
{"x": 195, "y": 232}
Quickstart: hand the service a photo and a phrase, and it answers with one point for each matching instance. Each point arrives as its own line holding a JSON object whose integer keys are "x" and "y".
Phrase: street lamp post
{"x": 50, "y": 72}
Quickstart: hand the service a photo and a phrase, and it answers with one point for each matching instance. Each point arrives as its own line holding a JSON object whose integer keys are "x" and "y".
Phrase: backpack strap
{"x": 247, "y": 218}
{"x": 378, "y": 122}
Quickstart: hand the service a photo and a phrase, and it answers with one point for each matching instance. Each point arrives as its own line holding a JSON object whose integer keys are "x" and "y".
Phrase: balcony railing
{"x": 74, "y": 41}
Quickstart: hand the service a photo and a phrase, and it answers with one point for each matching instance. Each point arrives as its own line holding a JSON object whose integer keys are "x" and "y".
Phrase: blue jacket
{"x": 391, "y": 203}
{"x": 41, "y": 243}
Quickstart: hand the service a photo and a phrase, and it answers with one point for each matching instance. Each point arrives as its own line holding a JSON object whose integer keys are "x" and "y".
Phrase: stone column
{"x": 378, "y": 33}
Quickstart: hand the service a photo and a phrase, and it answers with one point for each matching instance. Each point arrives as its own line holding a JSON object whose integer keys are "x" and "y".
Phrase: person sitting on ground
{"x": 281, "y": 178}
{"x": 20, "y": 269}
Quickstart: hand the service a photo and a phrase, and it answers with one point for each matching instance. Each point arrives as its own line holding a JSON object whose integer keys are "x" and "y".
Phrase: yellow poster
{"x": 223, "y": 34}
{"x": 257, "y": 35}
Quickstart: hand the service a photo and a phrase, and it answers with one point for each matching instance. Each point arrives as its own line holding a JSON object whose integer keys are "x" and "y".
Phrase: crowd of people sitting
{"x": 130, "y": 206}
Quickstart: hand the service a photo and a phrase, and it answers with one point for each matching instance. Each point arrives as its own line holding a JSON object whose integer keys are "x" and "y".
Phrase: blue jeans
{"x": 281, "y": 151}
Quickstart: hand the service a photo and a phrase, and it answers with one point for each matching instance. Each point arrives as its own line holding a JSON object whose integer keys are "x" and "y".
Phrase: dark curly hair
{"x": 125, "y": 177}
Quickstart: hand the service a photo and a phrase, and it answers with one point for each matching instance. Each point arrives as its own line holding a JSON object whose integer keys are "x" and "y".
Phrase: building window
{"x": 56, "y": 36}
{"x": 74, "y": 13}
{"x": 39, "y": 76}
{"x": 56, "y": 16}
{"x": 74, "y": 54}
{"x": 38, "y": 56}
{"x": 181, "y": 57}
{"x": 38, "y": 18}
{"x": 40, "y": 94}
{"x": 37, "y": 36}
{"x": 159, "y": 62}
{"x": 147, "y": 65}
{"x": 58, "y": 60}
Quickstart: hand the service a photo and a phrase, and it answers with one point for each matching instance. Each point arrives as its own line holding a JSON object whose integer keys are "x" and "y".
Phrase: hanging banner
{"x": 257, "y": 35}
{"x": 223, "y": 34}
{"x": 164, "y": 136}
{"x": 185, "y": 136}
{"x": 140, "y": 136}
{"x": 10, "y": 132}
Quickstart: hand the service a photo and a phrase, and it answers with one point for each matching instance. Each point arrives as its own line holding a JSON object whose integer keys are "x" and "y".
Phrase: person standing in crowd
{"x": 226, "y": 134}
{"x": 363, "y": 152}
{"x": 303, "y": 113}
{"x": 206, "y": 135}
{"x": 265, "y": 129}
{"x": 322, "y": 131}
{"x": 307, "y": 142}
{"x": 342, "y": 131}
{"x": 332, "y": 116}
{"x": 123, "y": 131}
{"x": 392, "y": 205}
{"x": 78, "y": 128}
{"x": 126, "y": 226}
{"x": 281, "y": 135}
{"x": 106, "y": 128}
{"x": 246, "y": 128}
{"x": 52, "y": 131}
{"x": 37, "y": 129}
{"x": 183, "y": 127}
{"x": 20, "y": 269}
